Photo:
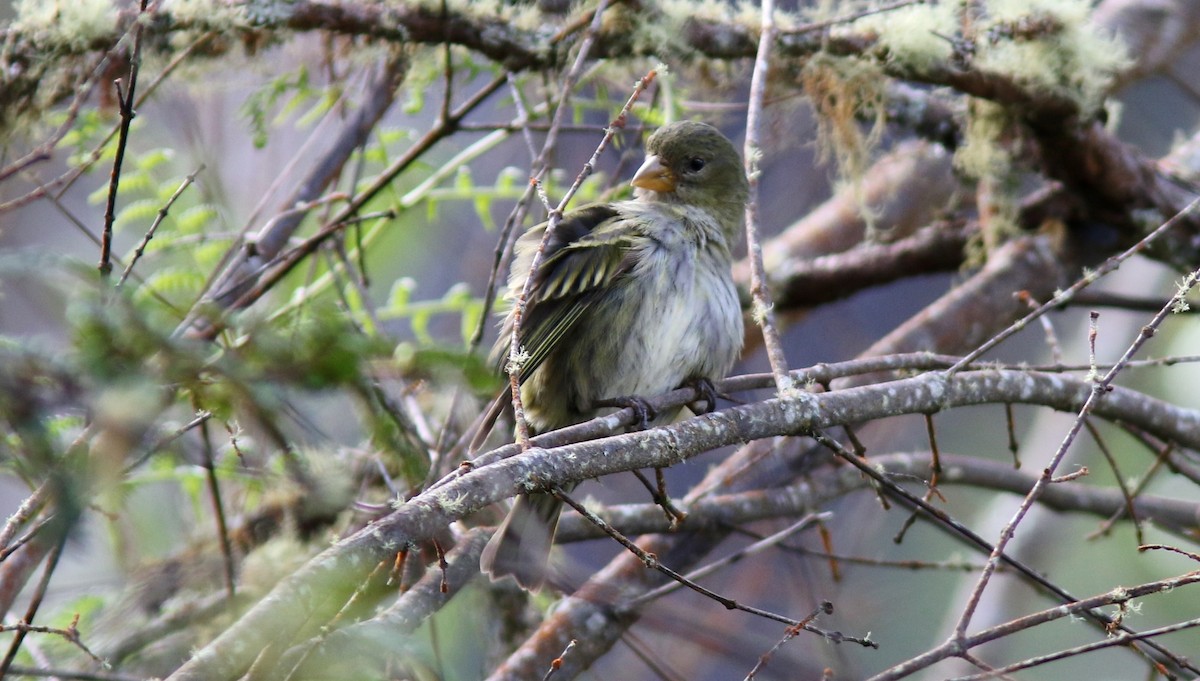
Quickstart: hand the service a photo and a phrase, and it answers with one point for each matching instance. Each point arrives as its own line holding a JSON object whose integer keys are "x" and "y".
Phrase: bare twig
{"x": 35, "y": 603}
{"x": 67, "y": 179}
{"x": 28, "y": 508}
{"x": 756, "y": 547}
{"x": 70, "y": 634}
{"x": 18, "y": 670}
{"x": 162, "y": 215}
{"x": 825, "y": 608}
{"x": 254, "y": 285}
{"x": 652, "y": 561}
{"x": 214, "y": 491}
{"x": 1122, "y": 639}
{"x": 850, "y": 17}
{"x": 557, "y": 662}
{"x": 1120, "y": 479}
{"x": 759, "y": 292}
{"x": 518, "y": 313}
{"x": 1100, "y": 388}
{"x": 1064, "y": 296}
{"x": 957, "y": 645}
{"x": 1174, "y": 549}
{"x": 126, "y": 101}
{"x": 43, "y": 151}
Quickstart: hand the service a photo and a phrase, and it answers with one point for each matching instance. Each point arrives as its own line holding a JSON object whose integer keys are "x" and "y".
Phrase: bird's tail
{"x": 521, "y": 546}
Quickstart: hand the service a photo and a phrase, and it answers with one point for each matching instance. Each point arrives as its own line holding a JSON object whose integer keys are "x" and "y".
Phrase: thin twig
{"x": 1014, "y": 448}
{"x": 24, "y": 539}
{"x": 1083, "y": 282}
{"x": 43, "y": 151}
{"x": 58, "y": 204}
{"x": 162, "y": 215}
{"x": 264, "y": 279}
{"x": 68, "y": 178}
{"x": 652, "y": 561}
{"x": 35, "y": 603}
{"x": 1174, "y": 549}
{"x": 518, "y": 313}
{"x": 1127, "y": 493}
{"x": 759, "y": 292}
{"x": 659, "y": 494}
{"x": 557, "y": 662}
{"x": 1164, "y": 455}
{"x": 649, "y": 655}
{"x": 850, "y": 18}
{"x": 1116, "y": 640}
{"x": 448, "y": 66}
{"x": 756, "y": 547}
{"x": 970, "y": 537}
{"x": 32, "y": 504}
{"x": 825, "y": 608}
{"x": 127, "y": 113}
{"x": 214, "y": 491}
{"x": 74, "y": 675}
{"x": 1100, "y": 387}
{"x": 162, "y": 442}
{"x": 70, "y": 634}
{"x": 1056, "y": 353}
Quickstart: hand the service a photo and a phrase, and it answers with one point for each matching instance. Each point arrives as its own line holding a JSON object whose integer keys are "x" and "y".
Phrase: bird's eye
{"x": 695, "y": 164}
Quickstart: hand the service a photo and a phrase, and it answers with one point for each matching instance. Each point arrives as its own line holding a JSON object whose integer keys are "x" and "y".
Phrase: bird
{"x": 631, "y": 299}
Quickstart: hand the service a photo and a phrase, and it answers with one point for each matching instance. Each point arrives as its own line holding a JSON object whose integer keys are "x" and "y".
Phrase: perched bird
{"x": 632, "y": 298}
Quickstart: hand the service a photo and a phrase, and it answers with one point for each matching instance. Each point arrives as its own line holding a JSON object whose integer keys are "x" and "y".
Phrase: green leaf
{"x": 257, "y": 105}
{"x": 457, "y": 296}
{"x": 152, "y": 159}
{"x": 194, "y": 219}
{"x": 506, "y": 181}
{"x": 415, "y": 101}
{"x": 483, "y": 210}
{"x": 462, "y": 179}
{"x": 140, "y": 212}
{"x": 472, "y": 314}
{"x": 321, "y": 107}
{"x": 420, "y": 325}
{"x": 401, "y": 293}
{"x": 173, "y": 283}
{"x": 389, "y": 136}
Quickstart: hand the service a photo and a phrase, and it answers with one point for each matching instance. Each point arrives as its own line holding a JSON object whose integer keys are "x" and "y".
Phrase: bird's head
{"x": 693, "y": 163}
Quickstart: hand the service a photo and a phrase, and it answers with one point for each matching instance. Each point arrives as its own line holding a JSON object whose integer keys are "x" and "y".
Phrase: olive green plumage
{"x": 632, "y": 298}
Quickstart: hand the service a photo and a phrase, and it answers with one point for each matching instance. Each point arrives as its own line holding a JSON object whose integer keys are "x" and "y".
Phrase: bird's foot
{"x": 643, "y": 413}
{"x": 707, "y": 392}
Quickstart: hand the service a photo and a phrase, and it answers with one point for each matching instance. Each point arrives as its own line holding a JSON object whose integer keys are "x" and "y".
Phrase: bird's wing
{"x": 590, "y": 250}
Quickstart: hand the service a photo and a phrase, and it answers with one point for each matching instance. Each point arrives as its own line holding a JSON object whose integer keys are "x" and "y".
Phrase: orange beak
{"x": 656, "y": 177}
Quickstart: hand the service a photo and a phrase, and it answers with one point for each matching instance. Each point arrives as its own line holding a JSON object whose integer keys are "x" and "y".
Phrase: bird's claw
{"x": 643, "y": 413}
{"x": 708, "y": 394}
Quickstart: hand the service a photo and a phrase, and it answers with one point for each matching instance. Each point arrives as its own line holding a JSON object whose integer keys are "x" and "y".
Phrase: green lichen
{"x": 844, "y": 92}
{"x": 72, "y": 23}
{"x": 916, "y": 36}
{"x": 1050, "y": 45}
{"x": 981, "y": 153}
{"x": 211, "y": 14}
{"x": 519, "y": 15}
{"x": 986, "y": 156}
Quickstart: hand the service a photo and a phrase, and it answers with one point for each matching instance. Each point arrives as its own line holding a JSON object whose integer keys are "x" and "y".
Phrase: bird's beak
{"x": 656, "y": 177}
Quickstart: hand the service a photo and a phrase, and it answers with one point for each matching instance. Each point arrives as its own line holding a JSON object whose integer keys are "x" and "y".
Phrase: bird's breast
{"x": 688, "y": 322}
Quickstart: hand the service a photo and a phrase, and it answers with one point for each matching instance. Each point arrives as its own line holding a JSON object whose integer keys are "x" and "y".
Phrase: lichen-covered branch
{"x": 318, "y": 590}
